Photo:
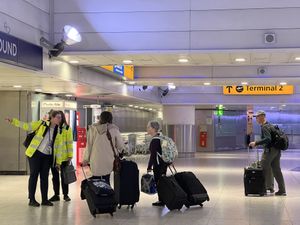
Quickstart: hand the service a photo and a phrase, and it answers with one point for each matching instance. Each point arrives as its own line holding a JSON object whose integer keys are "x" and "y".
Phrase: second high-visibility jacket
{"x": 67, "y": 142}
{"x": 40, "y": 127}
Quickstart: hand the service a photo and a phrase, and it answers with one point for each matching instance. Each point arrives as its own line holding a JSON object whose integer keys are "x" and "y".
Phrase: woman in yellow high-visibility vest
{"x": 43, "y": 150}
{"x": 66, "y": 155}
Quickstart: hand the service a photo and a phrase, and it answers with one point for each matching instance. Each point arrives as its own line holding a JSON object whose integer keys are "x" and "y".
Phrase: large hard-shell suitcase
{"x": 171, "y": 193}
{"x": 196, "y": 192}
{"x": 99, "y": 195}
{"x": 126, "y": 184}
{"x": 254, "y": 180}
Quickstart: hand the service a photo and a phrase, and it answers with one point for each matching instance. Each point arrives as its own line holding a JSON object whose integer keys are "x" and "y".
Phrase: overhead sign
{"x": 16, "y": 51}
{"x": 126, "y": 71}
{"x": 259, "y": 90}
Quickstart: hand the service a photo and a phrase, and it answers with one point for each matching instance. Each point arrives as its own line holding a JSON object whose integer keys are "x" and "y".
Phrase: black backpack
{"x": 279, "y": 139}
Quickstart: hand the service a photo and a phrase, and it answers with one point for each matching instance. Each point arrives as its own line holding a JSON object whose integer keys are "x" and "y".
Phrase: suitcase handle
{"x": 172, "y": 169}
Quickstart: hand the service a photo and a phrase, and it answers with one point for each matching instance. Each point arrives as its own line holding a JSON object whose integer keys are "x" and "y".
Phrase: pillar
{"x": 179, "y": 124}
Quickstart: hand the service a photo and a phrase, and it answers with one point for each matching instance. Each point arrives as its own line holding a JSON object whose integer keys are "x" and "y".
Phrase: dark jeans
{"x": 39, "y": 164}
{"x": 158, "y": 172}
{"x": 105, "y": 177}
{"x": 55, "y": 179}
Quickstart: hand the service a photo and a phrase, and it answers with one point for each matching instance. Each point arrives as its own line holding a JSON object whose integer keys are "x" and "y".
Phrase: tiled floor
{"x": 221, "y": 173}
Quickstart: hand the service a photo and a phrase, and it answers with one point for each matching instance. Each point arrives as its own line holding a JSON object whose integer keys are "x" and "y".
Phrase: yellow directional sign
{"x": 259, "y": 90}
{"x": 126, "y": 71}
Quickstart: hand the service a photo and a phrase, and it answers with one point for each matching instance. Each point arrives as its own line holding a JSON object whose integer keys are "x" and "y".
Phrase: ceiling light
{"x": 240, "y": 59}
{"x": 131, "y": 82}
{"x": 74, "y": 61}
{"x": 130, "y": 105}
{"x": 141, "y": 107}
{"x": 297, "y": 58}
{"x": 183, "y": 60}
{"x": 283, "y": 105}
{"x": 38, "y": 90}
{"x": 127, "y": 61}
{"x": 283, "y": 83}
{"x": 71, "y": 35}
{"x": 17, "y": 86}
{"x": 244, "y": 83}
{"x": 171, "y": 86}
{"x": 206, "y": 83}
{"x": 150, "y": 109}
{"x": 68, "y": 95}
{"x": 136, "y": 106}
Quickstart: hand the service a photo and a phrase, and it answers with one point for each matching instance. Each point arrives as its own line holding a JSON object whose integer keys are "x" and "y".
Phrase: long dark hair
{"x": 63, "y": 119}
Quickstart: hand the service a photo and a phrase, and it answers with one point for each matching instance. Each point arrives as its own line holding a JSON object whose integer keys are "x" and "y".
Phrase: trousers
{"x": 271, "y": 164}
{"x": 39, "y": 165}
{"x": 56, "y": 182}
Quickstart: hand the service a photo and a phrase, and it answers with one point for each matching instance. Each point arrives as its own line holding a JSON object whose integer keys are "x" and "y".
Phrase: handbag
{"x": 148, "y": 184}
{"x": 117, "y": 160}
{"x": 30, "y": 136}
{"x": 69, "y": 174}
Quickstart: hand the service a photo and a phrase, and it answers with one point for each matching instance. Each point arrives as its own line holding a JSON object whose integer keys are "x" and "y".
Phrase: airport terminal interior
{"x": 202, "y": 69}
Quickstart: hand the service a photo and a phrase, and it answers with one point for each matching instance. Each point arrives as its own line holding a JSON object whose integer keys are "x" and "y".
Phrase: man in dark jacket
{"x": 271, "y": 156}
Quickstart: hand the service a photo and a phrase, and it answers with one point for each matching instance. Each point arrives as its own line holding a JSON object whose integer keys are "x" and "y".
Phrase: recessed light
{"x": 74, "y": 61}
{"x": 240, "y": 59}
{"x": 136, "y": 106}
{"x": 283, "y": 105}
{"x": 150, "y": 109}
{"x": 183, "y": 60}
{"x": 38, "y": 90}
{"x": 131, "y": 82}
{"x": 68, "y": 95}
{"x": 206, "y": 83}
{"x": 283, "y": 83}
{"x": 244, "y": 83}
{"x": 171, "y": 86}
{"x": 17, "y": 86}
{"x": 141, "y": 107}
{"x": 297, "y": 58}
{"x": 127, "y": 61}
{"x": 130, "y": 105}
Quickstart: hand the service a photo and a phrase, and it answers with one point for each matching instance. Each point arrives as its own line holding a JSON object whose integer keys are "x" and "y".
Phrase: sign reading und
{"x": 259, "y": 90}
{"x": 19, "y": 52}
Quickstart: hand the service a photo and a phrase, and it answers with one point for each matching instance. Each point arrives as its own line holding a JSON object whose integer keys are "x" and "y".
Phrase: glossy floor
{"x": 221, "y": 173}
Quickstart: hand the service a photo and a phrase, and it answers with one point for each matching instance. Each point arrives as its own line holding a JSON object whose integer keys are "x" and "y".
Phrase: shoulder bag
{"x": 117, "y": 160}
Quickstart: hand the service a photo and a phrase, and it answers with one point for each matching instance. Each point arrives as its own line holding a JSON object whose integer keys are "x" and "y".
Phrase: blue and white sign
{"x": 20, "y": 52}
{"x": 119, "y": 69}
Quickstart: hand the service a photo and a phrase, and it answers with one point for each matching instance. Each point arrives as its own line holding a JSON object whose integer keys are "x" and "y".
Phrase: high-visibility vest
{"x": 67, "y": 142}
{"x": 40, "y": 127}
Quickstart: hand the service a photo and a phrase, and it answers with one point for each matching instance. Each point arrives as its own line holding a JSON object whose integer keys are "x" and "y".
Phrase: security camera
{"x": 261, "y": 70}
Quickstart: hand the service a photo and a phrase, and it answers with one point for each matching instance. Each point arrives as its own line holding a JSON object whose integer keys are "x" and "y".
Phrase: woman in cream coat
{"x": 99, "y": 153}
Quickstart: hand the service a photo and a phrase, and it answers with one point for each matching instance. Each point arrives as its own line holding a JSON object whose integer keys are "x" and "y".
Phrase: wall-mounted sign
{"x": 259, "y": 90}
{"x": 16, "y": 51}
{"x": 126, "y": 71}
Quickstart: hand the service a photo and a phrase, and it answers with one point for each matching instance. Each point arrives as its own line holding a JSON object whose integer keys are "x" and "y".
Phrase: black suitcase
{"x": 196, "y": 192}
{"x": 126, "y": 184}
{"x": 171, "y": 193}
{"x": 254, "y": 180}
{"x": 99, "y": 195}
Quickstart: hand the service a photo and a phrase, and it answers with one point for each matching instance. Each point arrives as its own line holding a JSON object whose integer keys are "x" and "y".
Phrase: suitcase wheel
{"x": 188, "y": 206}
{"x": 132, "y": 206}
{"x": 201, "y": 205}
{"x": 119, "y": 206}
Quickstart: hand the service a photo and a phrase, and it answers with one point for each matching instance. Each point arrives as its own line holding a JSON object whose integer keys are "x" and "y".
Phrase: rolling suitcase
{"x": 196, "y": 192}
{"x": 171, "y": 193}
{"x": 126, "y": 184}
{"x": 99, "y": 195}
{"x": 254, "y": 180}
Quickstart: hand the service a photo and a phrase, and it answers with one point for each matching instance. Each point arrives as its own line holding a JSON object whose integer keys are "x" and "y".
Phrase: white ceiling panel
{"x": 124, "y": 22}
{"x": 119, "y": 5}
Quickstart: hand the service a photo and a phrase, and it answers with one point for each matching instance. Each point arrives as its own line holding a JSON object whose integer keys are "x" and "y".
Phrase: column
{"x": 179, "y": 124}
